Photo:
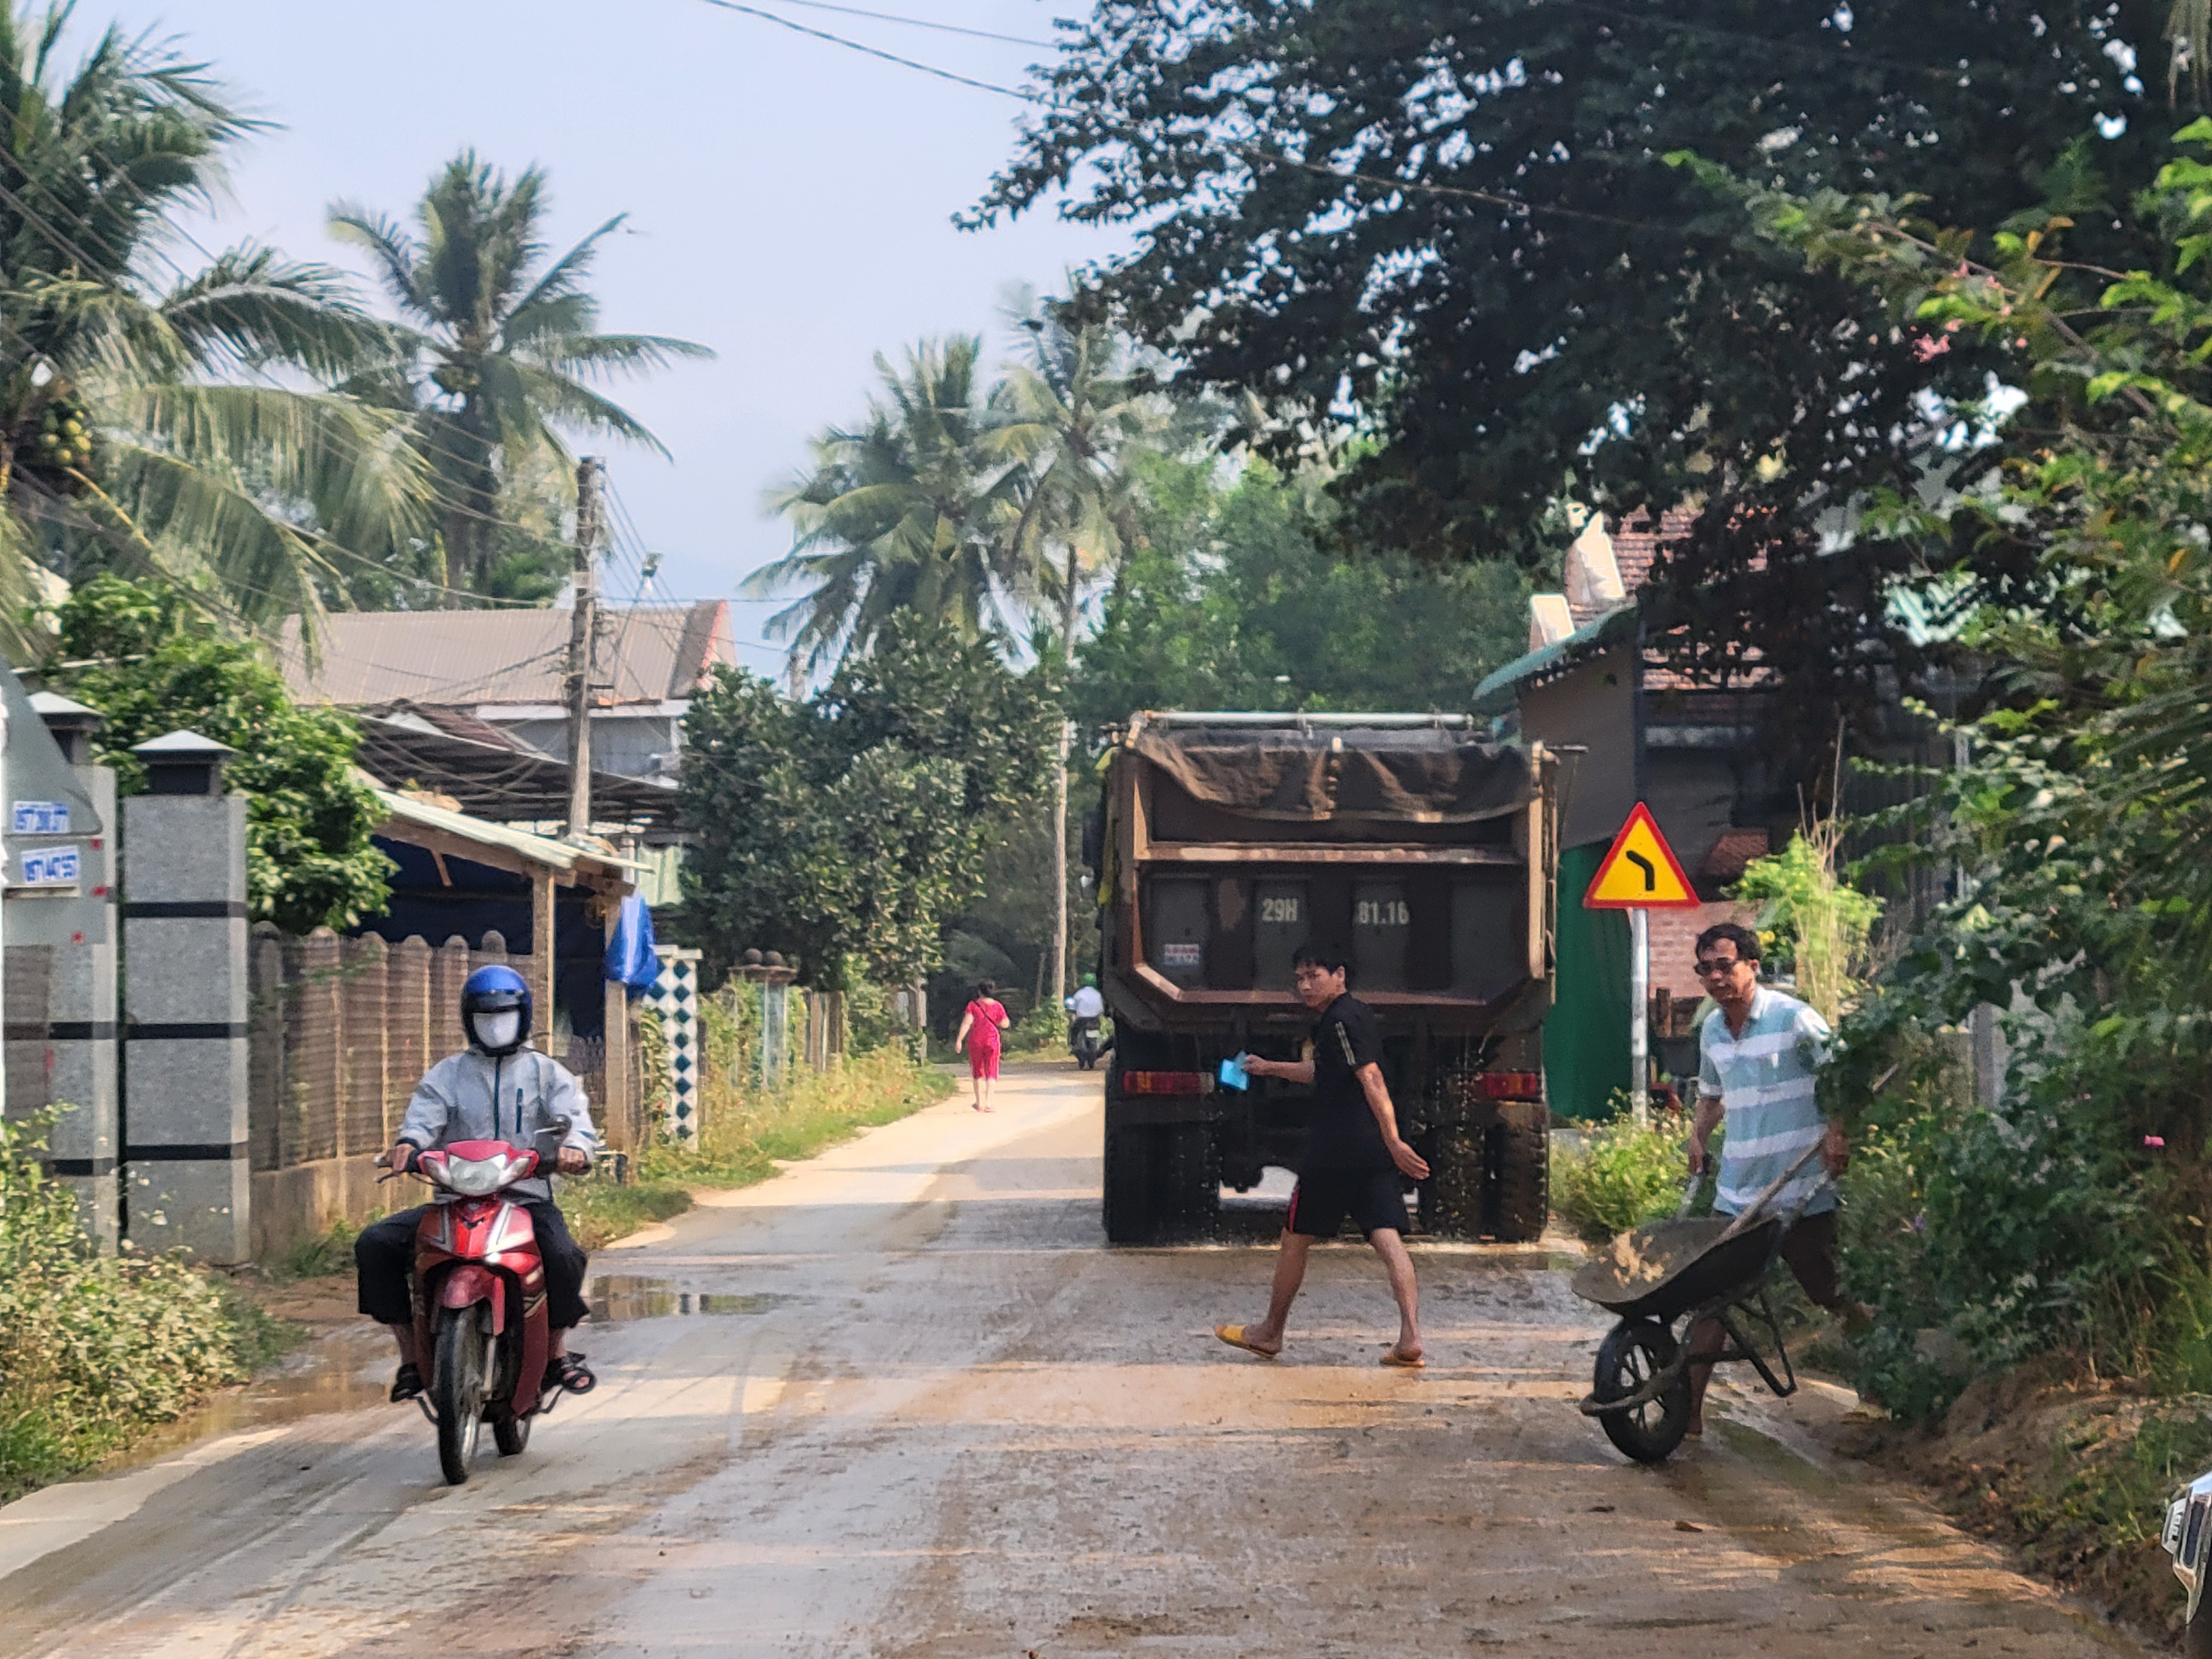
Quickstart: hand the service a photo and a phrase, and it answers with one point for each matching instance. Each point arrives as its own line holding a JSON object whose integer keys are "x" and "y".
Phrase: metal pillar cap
{"x": 71, "y": 723}
{"x": 182, "y": 763}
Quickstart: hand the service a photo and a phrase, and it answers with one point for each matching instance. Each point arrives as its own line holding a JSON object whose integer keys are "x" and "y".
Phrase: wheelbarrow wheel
{"x": 1633, "y": 1352}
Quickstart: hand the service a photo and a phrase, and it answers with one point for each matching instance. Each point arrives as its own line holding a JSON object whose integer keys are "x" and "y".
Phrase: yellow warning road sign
{"x": 1640, "y": 872}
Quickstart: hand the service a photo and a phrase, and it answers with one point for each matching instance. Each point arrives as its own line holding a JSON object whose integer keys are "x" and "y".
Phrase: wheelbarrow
{"x": 1686, "y": 1271}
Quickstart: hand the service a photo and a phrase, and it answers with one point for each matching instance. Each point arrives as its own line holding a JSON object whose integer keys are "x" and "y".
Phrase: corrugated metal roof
{"x": 561, "y": 855}
{"x": 647, "y": 654}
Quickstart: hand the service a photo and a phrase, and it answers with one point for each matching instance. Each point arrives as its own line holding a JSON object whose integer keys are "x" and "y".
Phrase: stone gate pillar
{"x": 187, "y": 1069}
{"x": 62, "y": 904}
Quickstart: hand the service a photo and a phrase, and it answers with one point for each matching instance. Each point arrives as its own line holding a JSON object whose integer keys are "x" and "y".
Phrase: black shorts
{"x": 1374, "y": 1199}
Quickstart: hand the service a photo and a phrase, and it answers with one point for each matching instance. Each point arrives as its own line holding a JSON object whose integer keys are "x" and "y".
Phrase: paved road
{"x": 900, "y": 1402}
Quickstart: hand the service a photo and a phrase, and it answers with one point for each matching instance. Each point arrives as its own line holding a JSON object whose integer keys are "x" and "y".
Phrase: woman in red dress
{"x": 981, "y": 1022}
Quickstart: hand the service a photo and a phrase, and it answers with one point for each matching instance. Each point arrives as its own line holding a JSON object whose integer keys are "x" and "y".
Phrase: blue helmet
{"x": 495, "y": 989}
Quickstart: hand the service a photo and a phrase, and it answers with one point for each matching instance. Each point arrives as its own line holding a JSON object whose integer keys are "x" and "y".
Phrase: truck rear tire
{"x": 1162, "y": 1183}
{"x": 1452, "y": 1197}
{"x": 1521, "y": 1158}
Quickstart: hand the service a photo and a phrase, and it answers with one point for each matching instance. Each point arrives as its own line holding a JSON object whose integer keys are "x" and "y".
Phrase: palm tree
{"x": 912, "y": 511}
{"x": 1081, "y": 410}
{"x": 144, "y": 419}
{"x": 495, "y": 351}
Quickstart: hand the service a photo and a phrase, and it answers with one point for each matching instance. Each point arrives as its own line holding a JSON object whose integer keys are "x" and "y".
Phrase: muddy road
{"x": 901, "y": 1401}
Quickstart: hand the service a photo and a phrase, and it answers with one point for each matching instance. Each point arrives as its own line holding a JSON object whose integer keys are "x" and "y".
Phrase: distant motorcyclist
{"x": 496, "y": 1089}
{"x": 1084, "y": 1008}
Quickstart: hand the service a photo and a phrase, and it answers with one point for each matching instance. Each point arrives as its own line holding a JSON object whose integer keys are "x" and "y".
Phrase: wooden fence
{"x": 342, "y": 1030}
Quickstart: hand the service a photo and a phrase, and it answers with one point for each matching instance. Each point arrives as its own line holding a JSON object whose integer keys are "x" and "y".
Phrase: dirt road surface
{"x": 901, "y": 1401}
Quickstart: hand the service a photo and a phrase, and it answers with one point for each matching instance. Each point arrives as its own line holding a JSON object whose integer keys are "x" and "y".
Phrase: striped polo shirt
{"x": 1764, "y": 1080}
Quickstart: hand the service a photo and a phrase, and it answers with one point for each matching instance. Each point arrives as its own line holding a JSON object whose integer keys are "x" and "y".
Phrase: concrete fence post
{"x": 187, "y": 1171}
{"x": 408, "y": 974}
{"x": 675, "y": 994}
{"x": 265, "y": 1101}
{"x": 449, "y": 971}
{"x": 315, "y": 1045}
{"x": 367, "y": 1041}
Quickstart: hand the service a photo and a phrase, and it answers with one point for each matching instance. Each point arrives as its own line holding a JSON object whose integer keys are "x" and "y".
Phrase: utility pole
{"x": 1059, "y": 868}
{"x": 582, "y": 619}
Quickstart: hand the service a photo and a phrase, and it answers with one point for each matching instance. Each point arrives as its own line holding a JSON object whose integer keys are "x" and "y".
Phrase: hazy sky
{"x": 790, "y": 200}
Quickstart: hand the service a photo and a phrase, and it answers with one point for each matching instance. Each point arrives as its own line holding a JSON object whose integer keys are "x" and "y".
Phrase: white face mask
{"x": 497, "y": 1029}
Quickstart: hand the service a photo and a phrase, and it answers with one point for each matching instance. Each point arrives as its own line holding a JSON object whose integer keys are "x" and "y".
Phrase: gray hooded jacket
{"x": 474, "y": 1096}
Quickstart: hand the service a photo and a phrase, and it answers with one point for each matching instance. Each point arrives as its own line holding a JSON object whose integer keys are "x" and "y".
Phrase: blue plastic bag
{"x": 631, "y": 962}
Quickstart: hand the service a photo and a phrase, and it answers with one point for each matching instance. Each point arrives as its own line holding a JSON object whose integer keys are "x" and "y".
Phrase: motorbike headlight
{"x": 473, "y": 1177}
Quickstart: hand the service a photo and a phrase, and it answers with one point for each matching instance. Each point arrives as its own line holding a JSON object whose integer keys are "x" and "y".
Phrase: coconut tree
{"x": 495, "y": 351}
{"x": 1083, "y": 406}
{"x": 914, "y": 510}
{"x": 147, "y": 419}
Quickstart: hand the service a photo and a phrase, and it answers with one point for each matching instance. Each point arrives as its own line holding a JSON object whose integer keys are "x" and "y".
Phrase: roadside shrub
{"x": 91, "y": 1349}
{"x": 1624, "y": 1176}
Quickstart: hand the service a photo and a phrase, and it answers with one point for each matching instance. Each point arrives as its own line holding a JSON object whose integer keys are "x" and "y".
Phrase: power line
{"x": 922, "y": 23}
{"x": 872, "y": 51}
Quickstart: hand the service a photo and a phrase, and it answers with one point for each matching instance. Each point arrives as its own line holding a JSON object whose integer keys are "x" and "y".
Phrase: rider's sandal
{"x": 408, "y": 1384}
{"x": 570, "y": 1372}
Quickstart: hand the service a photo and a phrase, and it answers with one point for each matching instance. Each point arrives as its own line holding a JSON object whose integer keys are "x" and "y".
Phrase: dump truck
{"x": 1424, "y": 847}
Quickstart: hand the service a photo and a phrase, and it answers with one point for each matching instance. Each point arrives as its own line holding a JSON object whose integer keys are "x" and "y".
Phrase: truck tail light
{"x": 1163, "y": 1082}
{"x": 1510, "y": 1085}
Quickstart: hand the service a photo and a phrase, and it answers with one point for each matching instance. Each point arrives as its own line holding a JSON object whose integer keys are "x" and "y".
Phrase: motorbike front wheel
{"x": 510, "y": 1433}
{"x": 463, "y": 1357}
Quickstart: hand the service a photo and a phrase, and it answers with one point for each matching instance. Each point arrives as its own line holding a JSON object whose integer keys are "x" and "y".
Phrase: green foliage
{"x": 327, "y": 1253}
{"x": 1811, "y": 920}
{"x": 93, "y": 1350}
{"x": 915, "y": 510}
{"x": 848, "y": 829}
{"x": 1236, "y": 598}
{"x": 156, "y": 667}
{"x": 494, "y": 359}
{"x": 1624, "y": 1176}
{"x": 153, "y": 428}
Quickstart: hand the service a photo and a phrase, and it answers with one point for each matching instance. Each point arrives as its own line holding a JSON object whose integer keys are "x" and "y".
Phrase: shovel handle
{"x": 1751, "y": 1212}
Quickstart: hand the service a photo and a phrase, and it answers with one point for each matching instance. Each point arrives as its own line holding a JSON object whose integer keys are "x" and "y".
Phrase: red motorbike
{"x": 480, "y": 1324}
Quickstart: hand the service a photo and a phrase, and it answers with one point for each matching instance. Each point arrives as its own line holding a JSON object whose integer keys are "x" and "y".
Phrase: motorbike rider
{"x": 1084, "y": 1008}
{"x": 496, "y": 1089}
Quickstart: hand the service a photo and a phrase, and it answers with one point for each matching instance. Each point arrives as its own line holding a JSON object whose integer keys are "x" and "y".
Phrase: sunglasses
{"x": 1714, "y": 969}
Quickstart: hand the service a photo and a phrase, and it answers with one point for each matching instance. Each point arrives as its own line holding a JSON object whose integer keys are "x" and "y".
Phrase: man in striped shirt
{"x": 1758, "y": 1051}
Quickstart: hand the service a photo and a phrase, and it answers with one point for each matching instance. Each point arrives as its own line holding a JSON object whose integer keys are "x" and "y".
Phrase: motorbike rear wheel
{"x": 463, "y": 1357}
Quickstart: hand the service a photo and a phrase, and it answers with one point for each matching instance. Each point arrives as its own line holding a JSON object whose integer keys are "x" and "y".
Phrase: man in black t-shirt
{"x": 1354, "y": 1163}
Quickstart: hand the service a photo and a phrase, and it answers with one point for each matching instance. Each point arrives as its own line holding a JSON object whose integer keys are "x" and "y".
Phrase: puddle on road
{"x": 618, "y": 1297}
{"x": 347, "y": 1371}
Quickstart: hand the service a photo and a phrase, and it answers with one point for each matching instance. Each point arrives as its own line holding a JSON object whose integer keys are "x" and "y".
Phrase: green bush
{"x": 1624, "y": 1176}
{"x": 92, "y": 1349}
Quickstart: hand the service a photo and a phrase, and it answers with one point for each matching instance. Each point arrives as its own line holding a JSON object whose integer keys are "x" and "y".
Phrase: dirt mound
{"x": 2071, "y": 1471}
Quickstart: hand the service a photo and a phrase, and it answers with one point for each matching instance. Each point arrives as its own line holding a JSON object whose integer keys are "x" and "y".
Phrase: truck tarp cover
{"x": 1414, "y": 776}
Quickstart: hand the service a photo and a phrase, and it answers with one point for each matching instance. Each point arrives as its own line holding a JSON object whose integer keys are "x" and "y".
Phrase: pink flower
{"x": 2156, "y": 1143}
{"x": 1928, "y": 347}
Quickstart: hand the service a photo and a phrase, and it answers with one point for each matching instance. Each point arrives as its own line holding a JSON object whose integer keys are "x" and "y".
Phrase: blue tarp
{"x": 630, "y": 959}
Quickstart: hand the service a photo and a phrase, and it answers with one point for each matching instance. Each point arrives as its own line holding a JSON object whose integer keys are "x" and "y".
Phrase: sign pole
{"x": 1639, "y": 1006}
{"x": 1639, "y": 874}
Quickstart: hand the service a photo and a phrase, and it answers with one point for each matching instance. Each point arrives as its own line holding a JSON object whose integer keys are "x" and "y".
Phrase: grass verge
{"x": 745, "y": 1136}
{"x": 95, "y": 1350}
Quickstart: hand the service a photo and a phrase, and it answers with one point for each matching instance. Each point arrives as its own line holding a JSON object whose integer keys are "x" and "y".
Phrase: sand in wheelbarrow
{"x": 1637, "y": 1261}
